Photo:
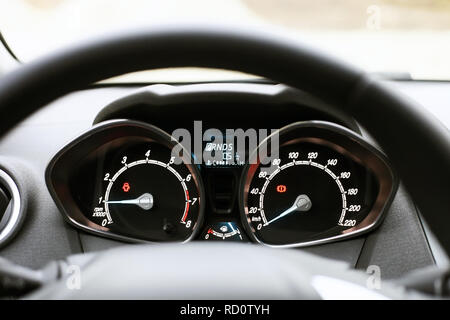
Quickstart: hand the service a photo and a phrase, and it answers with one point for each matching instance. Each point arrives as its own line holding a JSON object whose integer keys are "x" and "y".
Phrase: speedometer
{"x": 322, "y": 183}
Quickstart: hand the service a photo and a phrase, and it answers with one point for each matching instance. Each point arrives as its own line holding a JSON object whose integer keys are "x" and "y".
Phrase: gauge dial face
{"x": 223, "y": 231}
{"x": 150, "y": 196}
{"x": 309, "y": 192}
{"x": 312, "y": 191}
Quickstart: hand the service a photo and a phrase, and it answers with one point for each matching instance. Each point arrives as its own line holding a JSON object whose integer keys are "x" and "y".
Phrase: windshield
{"x": 393, "y": 36}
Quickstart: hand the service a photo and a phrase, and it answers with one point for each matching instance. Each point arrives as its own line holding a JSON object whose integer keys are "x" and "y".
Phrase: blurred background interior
{"x": 403, "y": 37}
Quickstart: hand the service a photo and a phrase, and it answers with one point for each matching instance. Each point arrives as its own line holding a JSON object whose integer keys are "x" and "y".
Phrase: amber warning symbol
{"x": 126, "y": 187}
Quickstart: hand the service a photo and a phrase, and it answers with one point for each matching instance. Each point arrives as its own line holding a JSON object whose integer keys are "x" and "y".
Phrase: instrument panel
{"x": 307, "y": 183}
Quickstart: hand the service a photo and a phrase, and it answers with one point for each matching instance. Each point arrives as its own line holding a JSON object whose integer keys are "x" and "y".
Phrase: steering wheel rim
{"x": 398, "y": 125}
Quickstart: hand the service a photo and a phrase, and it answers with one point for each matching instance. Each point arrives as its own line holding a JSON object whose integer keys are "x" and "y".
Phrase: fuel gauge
{"x": 223, "y": 231}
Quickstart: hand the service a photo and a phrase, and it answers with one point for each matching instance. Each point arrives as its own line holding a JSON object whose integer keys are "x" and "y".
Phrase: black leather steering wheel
{"x": 418, "y": 145}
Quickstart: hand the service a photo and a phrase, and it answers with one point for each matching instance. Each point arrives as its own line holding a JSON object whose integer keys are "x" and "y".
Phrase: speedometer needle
{"x": 145, "y": 201}
{"x": 302, "y": 203}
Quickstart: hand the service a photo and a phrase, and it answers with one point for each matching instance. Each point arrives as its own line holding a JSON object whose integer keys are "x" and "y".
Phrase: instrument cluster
{"x": 307, "y": 183}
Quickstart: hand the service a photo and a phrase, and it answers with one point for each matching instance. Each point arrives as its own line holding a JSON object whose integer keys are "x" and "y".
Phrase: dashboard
{"x": 45, "y": 234}
{"x": 250, "y": 173}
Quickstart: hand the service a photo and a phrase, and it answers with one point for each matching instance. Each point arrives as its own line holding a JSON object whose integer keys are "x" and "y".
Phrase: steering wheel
{"x": 417, "y": 145}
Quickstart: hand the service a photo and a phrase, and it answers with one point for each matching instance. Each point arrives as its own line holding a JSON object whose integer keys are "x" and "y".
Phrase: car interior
{"x": 151, "y": 162}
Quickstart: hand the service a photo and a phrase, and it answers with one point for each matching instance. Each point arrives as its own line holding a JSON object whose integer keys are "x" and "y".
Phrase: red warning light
{"x": 126, "y": 187}
{"x": 281, "y": 188}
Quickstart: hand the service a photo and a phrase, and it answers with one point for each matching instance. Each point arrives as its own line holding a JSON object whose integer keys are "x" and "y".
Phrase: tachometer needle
{"x": 145, "y": 201}
{"x": 302, "y": 203}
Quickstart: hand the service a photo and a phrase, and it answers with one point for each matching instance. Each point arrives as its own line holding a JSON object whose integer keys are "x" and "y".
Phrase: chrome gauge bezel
{"x": 14, "y": 216}
{"x": 345, "y": 142}
{"x": 57, "y": 174}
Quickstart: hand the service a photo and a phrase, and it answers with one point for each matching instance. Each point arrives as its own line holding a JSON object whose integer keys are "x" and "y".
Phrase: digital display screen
{"x": 222, "y": 154}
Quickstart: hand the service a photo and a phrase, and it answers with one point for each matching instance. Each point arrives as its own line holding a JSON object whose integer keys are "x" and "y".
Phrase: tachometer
{"x": 129, "y": 192}
{"x": 149, "y": 197}
{"x": 129, "y": 185}
{"x": 322, "y": 183}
